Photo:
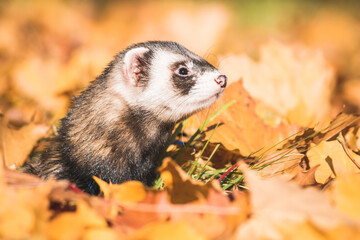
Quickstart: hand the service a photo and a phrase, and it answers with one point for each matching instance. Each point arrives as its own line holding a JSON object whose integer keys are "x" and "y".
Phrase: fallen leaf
{"x": 307, "y": 230}
{"x": 337, "y": 125}
{"x": 276, "y": 203}
{"x": 127, "y": 192}
{"x": 285, "y": 162}
{"x": 242, "y": 128}
{"x": 306, "y": 177}
{"x": 332, "y": 160}
{"x": 291, "y": 80}
{"x": 181, "y": 187}
{"x": 18, "y": 143}
{"x": 353, "y": 139}
{"x": 101, "y": 233}
{"x": 21, "y": 218}
{"x": 346, "y": 195}
{"x": 72, "y": 225}
{"x": 217, "y": 212}
{"x": 168, "y": 230}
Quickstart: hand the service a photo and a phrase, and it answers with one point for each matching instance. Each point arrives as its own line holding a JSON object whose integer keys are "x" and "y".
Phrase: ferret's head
{"x": 166, "y": 79}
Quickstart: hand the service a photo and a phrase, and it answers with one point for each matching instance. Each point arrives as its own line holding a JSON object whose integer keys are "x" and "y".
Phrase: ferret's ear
{"x": 134, "y": 61}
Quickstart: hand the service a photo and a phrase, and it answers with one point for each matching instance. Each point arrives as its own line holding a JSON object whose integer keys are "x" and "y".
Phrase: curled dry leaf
{"x": 332, "y": 159}
{"x": 292, "y": 81}
{"x": 336, "y": 126}
{"x": 306, "y": 177}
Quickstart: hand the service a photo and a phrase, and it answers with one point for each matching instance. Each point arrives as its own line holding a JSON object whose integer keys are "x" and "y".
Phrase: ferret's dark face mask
{"x": 169, "y": 84}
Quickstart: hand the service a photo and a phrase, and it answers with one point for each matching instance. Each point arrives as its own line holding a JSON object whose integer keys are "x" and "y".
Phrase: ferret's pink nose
{"x": 221, "y": 80}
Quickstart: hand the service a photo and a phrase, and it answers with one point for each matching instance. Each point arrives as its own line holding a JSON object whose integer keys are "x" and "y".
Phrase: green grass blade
{"x": 203, "y": 169}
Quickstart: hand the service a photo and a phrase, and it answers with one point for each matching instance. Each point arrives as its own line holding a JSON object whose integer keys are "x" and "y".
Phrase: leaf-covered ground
{"x": 277, "y": 158}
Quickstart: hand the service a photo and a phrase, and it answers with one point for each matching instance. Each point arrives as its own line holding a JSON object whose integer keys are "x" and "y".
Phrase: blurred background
{"x": 51, "y": 49}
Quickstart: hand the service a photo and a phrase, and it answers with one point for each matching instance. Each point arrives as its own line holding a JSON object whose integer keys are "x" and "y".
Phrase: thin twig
{"x": 340, "y": 139}
{"x": 228, "y": 171}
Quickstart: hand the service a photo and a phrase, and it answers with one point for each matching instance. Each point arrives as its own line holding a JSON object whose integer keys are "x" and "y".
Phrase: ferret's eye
{"x": 183, "y": 71}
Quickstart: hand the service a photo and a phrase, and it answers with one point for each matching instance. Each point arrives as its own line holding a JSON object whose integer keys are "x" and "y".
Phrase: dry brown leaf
{"x": 18, "y": 143}
{"x": 284, "y": 161}
{"x": 306, "y": 177}
{"x": 242, "y": 128}
{"x": 181, "y": 187}
{"x": 127, "y": 192}
{"x": 332, "y": 159}
{"x": 337, "y": 125}
{"x": 353, "y": 139}
{"x": 292, "y": 81}
{"x": 222, "y": 156}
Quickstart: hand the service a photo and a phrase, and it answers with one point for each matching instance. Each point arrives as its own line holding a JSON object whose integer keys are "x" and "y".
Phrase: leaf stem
{"x": 340, "y": 139}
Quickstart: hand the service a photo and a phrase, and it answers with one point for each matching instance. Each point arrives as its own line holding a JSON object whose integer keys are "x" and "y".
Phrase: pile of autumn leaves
{"x": 301, "y": 187}
{"x": 293, "y": 205}
{"x": 309, "y": 188}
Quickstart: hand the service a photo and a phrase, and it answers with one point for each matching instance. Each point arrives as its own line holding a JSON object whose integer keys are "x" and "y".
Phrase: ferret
{"x": 117, "y": 129}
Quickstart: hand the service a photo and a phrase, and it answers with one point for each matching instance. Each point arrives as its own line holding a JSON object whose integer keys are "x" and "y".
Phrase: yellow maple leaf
{"x": 241, "y": 128}
{"x": 332, "y": 160}
{"x": 127, "y": 192}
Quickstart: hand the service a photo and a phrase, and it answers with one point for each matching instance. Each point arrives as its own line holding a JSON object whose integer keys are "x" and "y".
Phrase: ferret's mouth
{"x": 211, "y": 99}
